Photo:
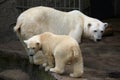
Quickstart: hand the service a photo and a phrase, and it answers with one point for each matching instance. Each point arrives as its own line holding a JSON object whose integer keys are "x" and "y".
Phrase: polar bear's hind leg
{"x": 77, "y": 69}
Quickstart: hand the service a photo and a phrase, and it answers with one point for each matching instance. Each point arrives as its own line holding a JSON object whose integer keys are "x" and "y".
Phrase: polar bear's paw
{"x": 52, "y": 70}
{"x": 74, "y": 75}
{"x": 56, "y": 70}
{"x": 44, "y": 64}
{"x": 47, "y": 68}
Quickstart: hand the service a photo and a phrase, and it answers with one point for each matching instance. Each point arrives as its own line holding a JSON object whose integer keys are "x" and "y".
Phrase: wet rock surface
{"x": 14, "y": 74}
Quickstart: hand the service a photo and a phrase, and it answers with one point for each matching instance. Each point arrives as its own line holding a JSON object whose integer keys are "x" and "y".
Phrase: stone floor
{"x": 101, "y": 60}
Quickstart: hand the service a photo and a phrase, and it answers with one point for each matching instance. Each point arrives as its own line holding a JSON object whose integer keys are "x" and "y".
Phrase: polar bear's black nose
{"x": 31, "y": 55}
{"x": 98, "y": 40}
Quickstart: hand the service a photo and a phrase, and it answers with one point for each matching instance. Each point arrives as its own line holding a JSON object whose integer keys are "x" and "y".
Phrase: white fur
{"x": 60, "y": 49}
{"x": 45, "y": 19}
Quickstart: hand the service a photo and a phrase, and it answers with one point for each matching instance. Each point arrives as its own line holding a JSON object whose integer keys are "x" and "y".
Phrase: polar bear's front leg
{"x": 76, "y": 34}
{"x": 50, "y": 61}
{"x": 59, "y": 65}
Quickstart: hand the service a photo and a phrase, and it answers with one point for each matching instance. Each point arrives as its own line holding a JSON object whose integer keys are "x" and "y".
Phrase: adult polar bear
{"x": 45, "y": 19}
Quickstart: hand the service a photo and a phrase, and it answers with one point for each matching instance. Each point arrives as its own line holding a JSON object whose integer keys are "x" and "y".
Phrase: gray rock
{"x": 14, "y": 74}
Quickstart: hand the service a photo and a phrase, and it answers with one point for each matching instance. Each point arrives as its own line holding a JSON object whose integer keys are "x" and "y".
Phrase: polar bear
{"x": 41, "y": 19}
{"x": 60, "y": 49}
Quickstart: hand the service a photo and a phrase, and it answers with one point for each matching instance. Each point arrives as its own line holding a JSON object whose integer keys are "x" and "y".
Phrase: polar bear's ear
{"x": 25, "y": 41}
{"x": 38, "y": 44}
{"x": 105, "y": 25}
{"x": 89, "y": 25}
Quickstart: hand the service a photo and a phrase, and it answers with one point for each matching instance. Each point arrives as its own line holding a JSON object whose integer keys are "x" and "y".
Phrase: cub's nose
{"x": 31, "y": 55}
{"x": 98, "y": 40}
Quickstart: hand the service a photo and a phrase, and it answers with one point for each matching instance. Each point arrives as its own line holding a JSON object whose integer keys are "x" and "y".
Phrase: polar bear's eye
{"x": 101, "y": 31}
{"x": 33, "y": 48}
{"x": 89, "y": 24}
{"x": 95, "y": 30}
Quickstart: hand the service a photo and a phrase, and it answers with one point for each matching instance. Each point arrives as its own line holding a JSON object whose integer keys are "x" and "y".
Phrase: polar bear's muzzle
{"x": 31, "y": 52}
{"x": 98, "y": 40}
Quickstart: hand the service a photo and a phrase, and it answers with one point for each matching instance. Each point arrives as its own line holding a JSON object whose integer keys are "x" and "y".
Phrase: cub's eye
{"x": 101, "y": 31}
{"x": 95, "y": 30}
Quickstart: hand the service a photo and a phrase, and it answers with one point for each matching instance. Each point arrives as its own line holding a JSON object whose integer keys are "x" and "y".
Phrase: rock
{"x": 14, "y": 74}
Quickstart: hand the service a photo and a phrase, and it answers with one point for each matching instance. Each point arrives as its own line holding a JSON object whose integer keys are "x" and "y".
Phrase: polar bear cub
{"x": 74, "y": 23}
{"x": 60, "y": 49}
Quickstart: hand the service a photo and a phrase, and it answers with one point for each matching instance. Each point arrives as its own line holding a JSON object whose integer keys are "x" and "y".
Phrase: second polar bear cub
{"x": 60, "y": 49}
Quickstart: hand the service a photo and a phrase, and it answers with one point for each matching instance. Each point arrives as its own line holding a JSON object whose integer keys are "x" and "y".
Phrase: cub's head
{"x": 95, "y": 30}
{"x": 33, "y": 45}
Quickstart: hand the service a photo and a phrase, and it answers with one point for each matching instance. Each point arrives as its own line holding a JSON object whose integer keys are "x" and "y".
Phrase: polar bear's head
{"x": 33, "y": 45}
{"x": 94, "y": 29}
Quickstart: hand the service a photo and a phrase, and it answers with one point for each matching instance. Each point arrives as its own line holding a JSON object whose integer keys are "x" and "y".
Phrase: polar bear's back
{"x": 44, "y": 19}
{"x": 38, "y": 20}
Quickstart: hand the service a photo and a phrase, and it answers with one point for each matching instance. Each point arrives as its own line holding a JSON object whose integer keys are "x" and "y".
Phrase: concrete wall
{"x": 8, "y": 15}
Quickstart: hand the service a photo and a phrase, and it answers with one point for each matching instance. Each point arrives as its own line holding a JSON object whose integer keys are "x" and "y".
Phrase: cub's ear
{"x": 39, "y": 44}
{"x": 89, "y": 25}
{"x": 105, "y": 25}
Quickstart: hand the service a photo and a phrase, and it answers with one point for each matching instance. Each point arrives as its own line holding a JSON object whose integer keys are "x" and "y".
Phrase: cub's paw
{"x": 73, "y": 75}
{"x": 52, "y": 70}
{"x": 47, "y": 68}
{"x": 56, "y": 70}
{"x": 44, "y": 64}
